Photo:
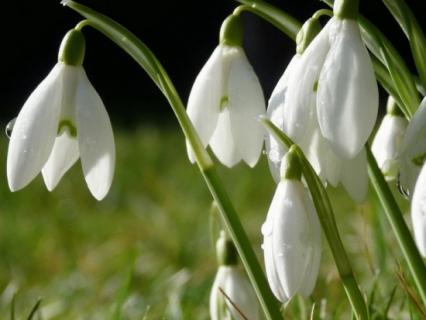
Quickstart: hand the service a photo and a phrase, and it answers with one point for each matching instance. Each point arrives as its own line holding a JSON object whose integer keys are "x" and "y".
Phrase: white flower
{"x": 418, "y": 212}
{"x": 62, "y": 120}
{"x": 224, "y": 105}
{"x": 240, "y": 293}
{"x": 291, "y": 242}
{"x": 413, "y": 149}
{"x": 275, "y": 151}
{"x": 292, "y": 108}
{"x": 386, "y": 143}
{"x": 347, "y": 101}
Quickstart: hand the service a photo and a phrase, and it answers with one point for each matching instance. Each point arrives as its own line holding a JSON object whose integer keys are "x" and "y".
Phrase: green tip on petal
{"x": 392, "y": 108}
{"x": 346, "y": 9}
{"x": 290, "y": 166}
{"x": 226, "y": 253}
{"x": 73, "y": 48}
{"x": 231, "y": 32}
{"x": 307, "y": 33}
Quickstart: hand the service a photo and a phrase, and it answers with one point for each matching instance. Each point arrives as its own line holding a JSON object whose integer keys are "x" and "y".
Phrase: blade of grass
{"x": 34, "y": 310}
{"x": 408, "y": 22}
{"x": 394, "y": 215}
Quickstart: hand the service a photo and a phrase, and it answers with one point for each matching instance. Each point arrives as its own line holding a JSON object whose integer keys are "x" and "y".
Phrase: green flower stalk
{"x": 147, "y": 60}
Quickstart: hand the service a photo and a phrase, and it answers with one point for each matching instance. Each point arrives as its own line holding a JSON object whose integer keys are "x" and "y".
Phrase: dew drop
{"x": 403, "y": 191}
{"x": 266, "y": 229}
{"x": 9, "y": 127}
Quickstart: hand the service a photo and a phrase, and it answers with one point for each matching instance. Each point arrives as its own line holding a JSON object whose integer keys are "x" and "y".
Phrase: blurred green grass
{"x": 75, "y": 253}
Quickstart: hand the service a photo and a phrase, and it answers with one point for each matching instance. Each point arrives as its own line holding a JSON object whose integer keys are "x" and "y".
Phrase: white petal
{"x": 274, "y": 150}
{"x": 223, "y": 141}
{"x": 215, "y": 295}
{"x": 311, "y": 276}
{"x": 418, "y": 212}
{"x": 242, "y": 296}
{"x": 292, "y": 237}
{"x": 206, "y": 94}
{"x": 331, "y": 165}
{"x": 347, "y": 100}
{"x": 95, "y": 139}
{"x": 386, "y": 143}
{"x": 354, "y": 177}
{"x": 267, "y": 230}
{"x": 34, "y": 131}
{"x": 413, "y": 147}
{"x": 64, "y": 154}
{"x": 301, "y": 93}
{"x": 246, "y": 105}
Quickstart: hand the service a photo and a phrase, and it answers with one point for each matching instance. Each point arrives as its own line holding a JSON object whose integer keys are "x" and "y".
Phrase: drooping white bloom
{"x": 291, "y": 242}
{"x": 418, "y": 212}
{"x": 413, "y": 149}
{"x": 224, "y": 105}
{"x": 386, "y": 144}
{"x": 292, "y": 108}
{"x": 275, "y": 151}
{"x": 239, "y": 291}
{"x": 347, "y": 101}
{"x": 62, "y": 120}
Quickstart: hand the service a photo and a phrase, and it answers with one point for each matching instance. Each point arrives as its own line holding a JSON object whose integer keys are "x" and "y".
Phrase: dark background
{"x": 181, "y": 33}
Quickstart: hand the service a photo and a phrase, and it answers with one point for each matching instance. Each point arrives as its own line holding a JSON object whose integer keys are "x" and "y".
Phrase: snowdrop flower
{"x": 276, "y": 111}
{"x": 292, "y": 108}
{"x": 226, "y": 101}
{"x": 388, "y": 139}
{"x": 413, "y": 149}
{"x": 418, "y": 212}
{"x": 291, "y": 236}
{"x": 240, "y": 301}
{"x": 64, "y": 119}
{"x": 336, "y": 74}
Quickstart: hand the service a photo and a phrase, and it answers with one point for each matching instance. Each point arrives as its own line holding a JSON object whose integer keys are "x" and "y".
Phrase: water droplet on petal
{"x": 402, "y": 190}
{"x": 266, "y": 229}
{"x": 9, "y": 127}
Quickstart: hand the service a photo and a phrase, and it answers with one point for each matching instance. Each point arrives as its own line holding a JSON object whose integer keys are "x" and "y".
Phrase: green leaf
{"x": 408, "y": 22}
{"x": 278, "y": 18}
{"x": 382, "y": 48}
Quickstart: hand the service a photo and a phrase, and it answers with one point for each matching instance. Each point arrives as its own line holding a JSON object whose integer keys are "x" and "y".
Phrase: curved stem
{"x": 328, "y": 223}
{"x": 322, "y": 12}
{"x": 144, "y": 57}
{"x": 394, "y": 215}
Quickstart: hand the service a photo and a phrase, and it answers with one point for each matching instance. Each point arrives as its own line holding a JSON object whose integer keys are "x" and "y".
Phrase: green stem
{"x": 394, "y": 215}
{"x": 143, "y": 56}
{"x": 278, "y": 18}
{"x": 328, "y": 223}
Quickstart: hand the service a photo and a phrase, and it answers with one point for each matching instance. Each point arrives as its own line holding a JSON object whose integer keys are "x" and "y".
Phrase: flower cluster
{"x": 327, "y": 102}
